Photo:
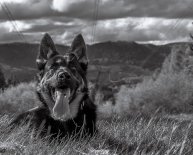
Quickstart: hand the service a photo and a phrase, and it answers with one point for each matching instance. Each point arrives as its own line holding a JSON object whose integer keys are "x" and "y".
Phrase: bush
{"x": 171, "y": 89}
{"x": 171, "y": 92}
{"x": 2, "y": 80}
{"x": 17, "y": 99}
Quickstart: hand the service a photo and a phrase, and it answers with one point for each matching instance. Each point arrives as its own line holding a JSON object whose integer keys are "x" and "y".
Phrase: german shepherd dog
{"x": 62, "y": 89}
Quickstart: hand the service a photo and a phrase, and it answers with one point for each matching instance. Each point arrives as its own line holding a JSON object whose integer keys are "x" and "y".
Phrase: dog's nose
{"x": 63, "y": 76}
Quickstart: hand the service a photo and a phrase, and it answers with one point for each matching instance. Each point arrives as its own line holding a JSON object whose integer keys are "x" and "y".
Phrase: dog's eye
{"x": 53, "y": 67}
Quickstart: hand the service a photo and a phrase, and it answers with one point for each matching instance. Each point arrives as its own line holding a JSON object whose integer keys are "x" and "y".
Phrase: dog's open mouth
{"x": 61, "y": 97}
{"x": 58, "y": 93}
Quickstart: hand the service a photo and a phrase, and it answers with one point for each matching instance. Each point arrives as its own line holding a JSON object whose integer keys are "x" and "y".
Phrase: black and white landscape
{"x": 140, "y": 73}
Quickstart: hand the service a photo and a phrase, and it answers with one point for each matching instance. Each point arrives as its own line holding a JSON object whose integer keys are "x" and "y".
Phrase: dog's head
{"x": 62, "y": 78}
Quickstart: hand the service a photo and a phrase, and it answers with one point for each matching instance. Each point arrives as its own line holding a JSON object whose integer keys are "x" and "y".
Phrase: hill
{"x": 119, "y": 59}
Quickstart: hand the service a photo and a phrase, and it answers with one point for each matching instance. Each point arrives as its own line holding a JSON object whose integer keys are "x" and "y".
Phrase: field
{"x": 133, "y": 126}
{"x": 116, "y": 136}
{"x": 153, "y": 117}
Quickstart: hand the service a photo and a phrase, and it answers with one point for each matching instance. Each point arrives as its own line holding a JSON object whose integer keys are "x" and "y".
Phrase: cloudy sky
{"x": 154, "y": 21}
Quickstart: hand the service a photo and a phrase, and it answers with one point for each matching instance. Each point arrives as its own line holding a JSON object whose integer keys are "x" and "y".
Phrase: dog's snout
{"x": 63, "y": 75}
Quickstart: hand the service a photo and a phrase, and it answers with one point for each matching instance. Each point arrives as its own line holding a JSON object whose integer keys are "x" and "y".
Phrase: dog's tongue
{"x": 61, "y": 108}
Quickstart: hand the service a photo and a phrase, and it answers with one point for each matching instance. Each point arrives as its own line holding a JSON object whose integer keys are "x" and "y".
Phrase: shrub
{"x": 17, "y": 99}
{"x": 172, "y": 92}
{"x": 172, "y": 89}
{"x": 2, "y": 80}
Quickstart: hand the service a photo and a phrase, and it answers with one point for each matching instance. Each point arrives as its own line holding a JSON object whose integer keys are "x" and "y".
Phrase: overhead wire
{"x": 172, "y": 28}
{"x": 12, "y": 20}
{"x": 95, "y": 19}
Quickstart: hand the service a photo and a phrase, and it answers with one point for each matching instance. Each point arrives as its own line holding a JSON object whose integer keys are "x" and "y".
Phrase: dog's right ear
{"x": 47, "y": 50}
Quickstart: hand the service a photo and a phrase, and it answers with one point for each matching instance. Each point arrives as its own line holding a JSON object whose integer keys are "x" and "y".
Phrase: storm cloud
{"x": 97, "y": 20}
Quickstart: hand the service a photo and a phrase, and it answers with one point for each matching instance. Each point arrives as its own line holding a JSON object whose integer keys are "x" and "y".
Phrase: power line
{"x": 12, "y": 20}
{"x": 94, "y": 14}
{"x": 95, "y": 18}
{"x": 173, "y": 27}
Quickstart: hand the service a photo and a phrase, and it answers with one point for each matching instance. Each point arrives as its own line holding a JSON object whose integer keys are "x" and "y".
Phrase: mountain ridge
{"x": 115, "y": 56}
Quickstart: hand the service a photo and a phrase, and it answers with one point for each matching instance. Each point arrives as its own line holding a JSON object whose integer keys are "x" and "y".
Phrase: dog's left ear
{"x": 78, "y": 47}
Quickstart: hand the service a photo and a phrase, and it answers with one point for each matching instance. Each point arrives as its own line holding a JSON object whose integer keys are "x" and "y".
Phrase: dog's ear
{"x": 46, "y": 51}
{"x": 78, "y": 47}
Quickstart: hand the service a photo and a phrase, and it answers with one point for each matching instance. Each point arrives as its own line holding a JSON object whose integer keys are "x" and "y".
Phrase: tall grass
{"x": 17, "y": 99}
{"x": 115, "y": 136}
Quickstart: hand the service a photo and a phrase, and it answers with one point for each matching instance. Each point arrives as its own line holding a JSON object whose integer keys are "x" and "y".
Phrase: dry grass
{"x": 17, "y": 99}
{"x": 120, "y": 129}
{"x": 116, "y": 134}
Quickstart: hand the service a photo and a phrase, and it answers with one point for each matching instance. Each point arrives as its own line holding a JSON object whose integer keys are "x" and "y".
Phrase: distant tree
{"x": 180, "y": 59}
{"x": 2, "y": 80}
{"x": 12, "y": 81}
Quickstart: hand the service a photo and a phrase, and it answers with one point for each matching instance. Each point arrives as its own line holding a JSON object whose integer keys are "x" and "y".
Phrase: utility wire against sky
{"x": 14, "y": 24}
{"x": 12, "y": 20}
{"x": 170, "y": 29}
{"x": 20, "y": 34}
{"x": 95, "y": 19}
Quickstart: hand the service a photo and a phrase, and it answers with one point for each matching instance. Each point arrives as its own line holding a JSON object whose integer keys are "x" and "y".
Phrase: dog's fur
{"x": 62, "y": 89}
